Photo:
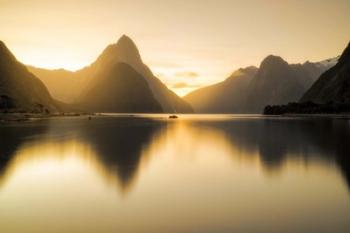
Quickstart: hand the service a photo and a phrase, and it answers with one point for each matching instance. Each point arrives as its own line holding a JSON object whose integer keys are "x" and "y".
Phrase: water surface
{"x": 148, "y": 173}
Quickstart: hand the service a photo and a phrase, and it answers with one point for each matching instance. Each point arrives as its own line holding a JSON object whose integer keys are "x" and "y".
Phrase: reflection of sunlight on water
{"x": 190, "y": 178}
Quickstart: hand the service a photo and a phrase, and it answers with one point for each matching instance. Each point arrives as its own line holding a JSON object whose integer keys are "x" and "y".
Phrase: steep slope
{"x": 249, "y": 90}
{"x": 119, "y": 89}
{"x": 224, "y": 97}
{"x": 333, "y": 85}
{"x": 124, "y": 51}
{"x": 20, "y": 90}
{"x": 277, "y": 82}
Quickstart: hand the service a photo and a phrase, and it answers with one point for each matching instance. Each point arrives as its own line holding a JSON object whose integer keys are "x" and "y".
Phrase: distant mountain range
{"x": 20, "y": 90}
{"x": 249, "y": 90}
{"x": 119, "y": 66}
{"x": 64, "y": 85}
{"x": 118, "y": 81}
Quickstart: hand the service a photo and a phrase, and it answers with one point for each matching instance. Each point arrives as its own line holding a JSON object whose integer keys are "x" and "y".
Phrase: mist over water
{"x": 209, "y": 173}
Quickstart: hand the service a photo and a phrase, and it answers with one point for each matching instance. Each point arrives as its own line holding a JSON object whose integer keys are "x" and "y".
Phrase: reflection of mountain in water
{"x": 121, "y": 145}
{"x": 12, "y": 137}
{"x": 118, "y": 143}
{"x": 278, "y": 139}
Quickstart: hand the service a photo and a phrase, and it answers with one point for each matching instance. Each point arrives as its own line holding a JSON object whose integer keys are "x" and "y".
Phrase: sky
{"x": 187, "y": 44}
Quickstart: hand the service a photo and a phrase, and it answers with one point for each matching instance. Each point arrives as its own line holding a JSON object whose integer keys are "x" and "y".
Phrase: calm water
{"x": 194, "y": 174}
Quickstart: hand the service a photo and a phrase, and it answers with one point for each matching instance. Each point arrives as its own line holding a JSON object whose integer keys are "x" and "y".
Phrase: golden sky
{"x": 186, "y": 43}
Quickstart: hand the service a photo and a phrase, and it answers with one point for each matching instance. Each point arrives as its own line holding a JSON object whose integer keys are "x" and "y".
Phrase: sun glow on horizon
{"x": 211, "y": 39}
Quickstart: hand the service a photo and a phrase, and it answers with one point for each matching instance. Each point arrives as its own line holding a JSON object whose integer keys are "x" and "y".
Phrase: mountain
{"x": 73, "y": 87}
{"x": 224, "y": 97}
{"x": 328, "y": 62}
{"x": 129, "y": 91}
{"x": 277, "y": 82}
{"x": 63, "y": 84}
{"x": 249, "y": 90}
{"x": 333, "y": 85}
{"x": 20, "y": 90}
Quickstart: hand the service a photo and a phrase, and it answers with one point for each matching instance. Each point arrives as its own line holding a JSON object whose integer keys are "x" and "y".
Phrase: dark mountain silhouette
{"x": 121, "y": 144}
{"x": 124, "y": 51}
{"x": 119, "y": 89}
{"x": 250, "y": 90}
{"x": 329, "y": 94}
{"x": 276, "y": 82}
{"x": 223, "y": 97}
{"x": 20, "y": 90}
{"x": 333, "y": 85}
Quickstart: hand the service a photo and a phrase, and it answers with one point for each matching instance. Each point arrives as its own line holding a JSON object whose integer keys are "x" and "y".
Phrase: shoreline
{"x": 27, "y": 117}
{"x": 319, "y": 115}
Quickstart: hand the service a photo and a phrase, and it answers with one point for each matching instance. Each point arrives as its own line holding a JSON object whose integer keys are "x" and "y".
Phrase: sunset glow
{"x": 211, "y": 40}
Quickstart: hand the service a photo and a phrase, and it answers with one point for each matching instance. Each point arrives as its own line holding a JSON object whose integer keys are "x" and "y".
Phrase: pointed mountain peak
{"x": 126, "y": 44}
{"x": 125, "y": 50}
{"x": 124, "y": 39}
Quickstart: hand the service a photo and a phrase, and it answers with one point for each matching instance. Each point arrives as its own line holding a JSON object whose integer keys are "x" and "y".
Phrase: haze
{"x": 187, "y": 44}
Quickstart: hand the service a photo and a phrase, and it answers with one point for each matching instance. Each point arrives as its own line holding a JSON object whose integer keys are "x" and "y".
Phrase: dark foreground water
{"x": 193, "y": 174}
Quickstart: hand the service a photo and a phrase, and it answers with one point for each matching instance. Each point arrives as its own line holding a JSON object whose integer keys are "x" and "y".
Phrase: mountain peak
{"x": 273, "y": 61}
{"x": 126, "y": 43}
{"x": 125, "y": 50}
{"x": 273, "y": 58}
{"x": 124, "y": 38}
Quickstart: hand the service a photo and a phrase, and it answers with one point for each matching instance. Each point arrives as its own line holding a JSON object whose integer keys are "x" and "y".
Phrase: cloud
{"x": 187, "y": 74}
{"x": 180, "y": 85}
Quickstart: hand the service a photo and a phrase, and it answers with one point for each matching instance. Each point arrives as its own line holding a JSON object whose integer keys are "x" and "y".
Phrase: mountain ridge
{"x": 123, "y": 51}
{"x": 274, "y": 82}
{"x": 334, "y": 84}
{"x": 20, "y": 90}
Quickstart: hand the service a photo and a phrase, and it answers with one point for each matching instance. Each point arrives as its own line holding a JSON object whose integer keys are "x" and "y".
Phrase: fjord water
{"x": 148, "y": 173}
